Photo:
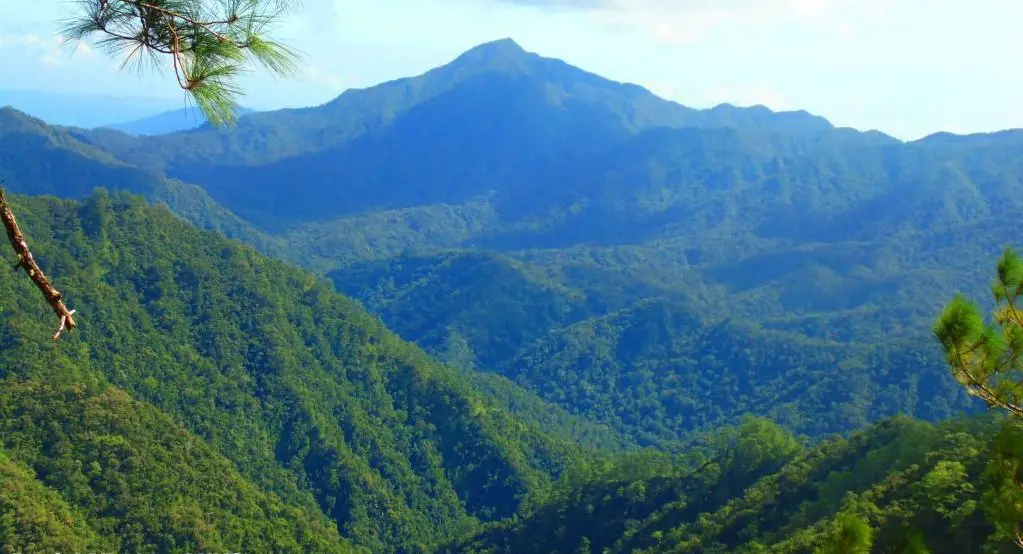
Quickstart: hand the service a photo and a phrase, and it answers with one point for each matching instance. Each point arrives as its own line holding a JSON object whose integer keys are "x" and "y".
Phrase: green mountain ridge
{"x": 581, "y": 197}
{"x": 535, "y": 111}
{"x": 36, "y": 158}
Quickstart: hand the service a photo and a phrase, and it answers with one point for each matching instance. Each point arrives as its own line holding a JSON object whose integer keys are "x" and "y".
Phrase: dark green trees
{"x": 987, "y": 359}
{"x": 852, "y": 535}
{"x": 290, "y": 395}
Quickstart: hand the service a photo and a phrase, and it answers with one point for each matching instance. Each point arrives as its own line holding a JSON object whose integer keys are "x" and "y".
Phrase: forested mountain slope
{"x": 95, "y": 470}
{"x": 898, "y": 486}
{"x": 314, "y": 402}
{"x": 652, "y": 368}
{"x": 213, "y": 398}
{"x": 494, "y": 119}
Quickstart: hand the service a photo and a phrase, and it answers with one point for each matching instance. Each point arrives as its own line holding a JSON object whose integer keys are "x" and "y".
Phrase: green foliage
{"x": 550, "y": 417}
{"x": 756, "y": 447}
{"x": 143, "y": 482}
{"x": 208, "y": 375}
{"x": 306, "y": 394}
{"x": 208, "y": 42}
{"x": 1003, "y": 499}
{"x": 485, "y": 300}
{"x": 898, "y": 486}
{"x": 852, "y": 535}
{"x": 36, "y": 518}
{"x": 986, "y": 358}
{"x": 655, "y": 370}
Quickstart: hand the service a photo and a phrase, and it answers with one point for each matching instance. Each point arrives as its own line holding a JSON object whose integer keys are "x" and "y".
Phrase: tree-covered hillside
{"x": 88, "y": 468}
{"x": 574, "y": 318}
{"x": 653, "y": 368}
{"x": 296, "y": 399}
{"x": 900, "y": 486}
{"x": 216, "y": 399}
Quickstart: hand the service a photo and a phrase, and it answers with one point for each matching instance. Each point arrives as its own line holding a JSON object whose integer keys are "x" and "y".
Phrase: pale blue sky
{"x": 907, "y": 67}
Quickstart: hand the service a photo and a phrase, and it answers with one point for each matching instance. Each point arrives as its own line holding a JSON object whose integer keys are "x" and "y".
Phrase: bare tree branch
{"x": 27, "y": 262}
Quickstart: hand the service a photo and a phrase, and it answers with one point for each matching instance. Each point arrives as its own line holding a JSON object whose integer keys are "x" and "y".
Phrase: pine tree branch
{"x": 978, "y": 388}
{"x": 179, "y": 65}
{"x": 207, "y": 25}
{"x": 27, "y": 262}
{"x": 209, "y": 41}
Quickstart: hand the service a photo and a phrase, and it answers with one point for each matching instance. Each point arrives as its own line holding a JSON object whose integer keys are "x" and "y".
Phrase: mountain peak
{"x": 505, "y": 45}
{"x": 498, "y": 54}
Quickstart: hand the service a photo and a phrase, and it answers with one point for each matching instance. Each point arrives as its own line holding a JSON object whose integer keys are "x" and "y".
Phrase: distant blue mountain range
{"x": 133, "y": 115}
{"x": 88, "y": 111}
{"x": 167, "y": 122}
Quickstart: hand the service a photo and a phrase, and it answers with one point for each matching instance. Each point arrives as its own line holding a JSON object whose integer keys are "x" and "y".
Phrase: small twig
{"x": 27, "y": 262}
{"x": 179, "y": 64}
{"x": 207, "y": 25}
{"x": 66, "y": 322}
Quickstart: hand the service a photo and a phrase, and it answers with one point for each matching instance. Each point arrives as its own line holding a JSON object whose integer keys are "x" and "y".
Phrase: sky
{"x": 905, "y": 67}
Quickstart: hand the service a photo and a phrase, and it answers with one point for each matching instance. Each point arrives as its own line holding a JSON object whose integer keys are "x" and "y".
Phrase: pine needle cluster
{"x": 208, "y": 42}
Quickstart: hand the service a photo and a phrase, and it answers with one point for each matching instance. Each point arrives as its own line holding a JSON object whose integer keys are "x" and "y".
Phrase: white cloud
{"x": 58, "y": 51}
{"x": 323, "y": 78}
{"x": 847, "y": 30}
{"x": 51, "y": 53}
{"x": 319, "y": 15}
{"x": 19, "y": 40}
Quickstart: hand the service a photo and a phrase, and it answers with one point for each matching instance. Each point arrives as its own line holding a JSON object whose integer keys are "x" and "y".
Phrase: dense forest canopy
{"x": 308, "y": 397}
{"x": 582, "y": 319}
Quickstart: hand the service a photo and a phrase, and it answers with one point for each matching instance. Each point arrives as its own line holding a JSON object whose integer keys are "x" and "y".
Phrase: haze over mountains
{"x": 83, "y": 111}
{"x": 182, "y": 119}
{"x": 135, "y": 116}
{"x": 599, "y": 268}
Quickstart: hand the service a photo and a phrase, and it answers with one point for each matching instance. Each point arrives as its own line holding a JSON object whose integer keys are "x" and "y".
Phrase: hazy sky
{"x": 907, "y": 67}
